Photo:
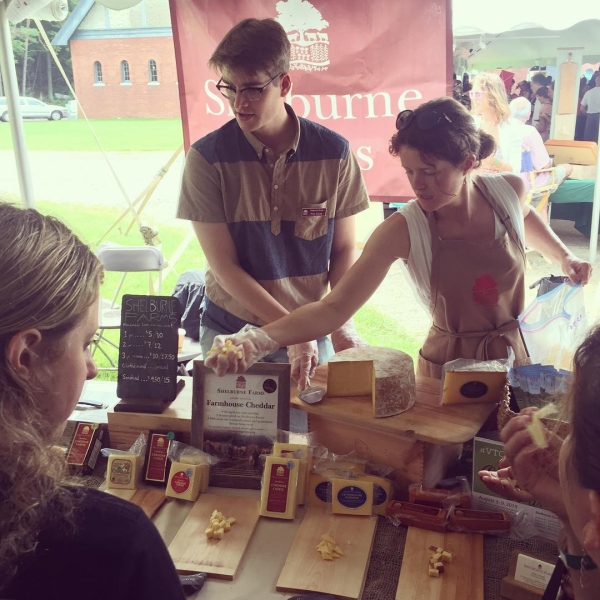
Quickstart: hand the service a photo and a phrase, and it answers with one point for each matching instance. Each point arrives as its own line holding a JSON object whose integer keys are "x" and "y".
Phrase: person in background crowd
{"x": 534, "y": 155}
{"x": 58, "y": 540}
{"x": 565, "y": 477}
{"x": 590, "y": 106}
{"x": 537, "y": 81}
{"x": 542, "y": 96}
{"x": 462, "y": 240}
{"x": 580, "y": 123}
{"x": 492, "y": 114}
{"x": 524, "y": 89}
{"x": 272, "y": 198}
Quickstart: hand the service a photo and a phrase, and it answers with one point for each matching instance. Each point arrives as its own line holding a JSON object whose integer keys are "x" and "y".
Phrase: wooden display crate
{"x": 418, "y": 443}
{"x": 125, "y": 427}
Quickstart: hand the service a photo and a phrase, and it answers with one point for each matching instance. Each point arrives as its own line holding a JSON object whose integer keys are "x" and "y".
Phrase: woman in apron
{"x": 461, "y": 239}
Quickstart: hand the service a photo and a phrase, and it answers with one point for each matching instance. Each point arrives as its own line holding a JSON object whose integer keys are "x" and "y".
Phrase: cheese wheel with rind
{"x": 394, "y": 377}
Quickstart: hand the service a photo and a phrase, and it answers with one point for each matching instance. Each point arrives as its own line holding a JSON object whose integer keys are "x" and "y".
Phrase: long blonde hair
{"x": 48, "y": 281}
{"x": 496, "y": 93}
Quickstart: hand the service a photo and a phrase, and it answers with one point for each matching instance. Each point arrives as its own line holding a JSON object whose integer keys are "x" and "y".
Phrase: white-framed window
{"x": 98, "y": 72}
{"x": 152, "y": 71}
{"x": 125, "y": 78}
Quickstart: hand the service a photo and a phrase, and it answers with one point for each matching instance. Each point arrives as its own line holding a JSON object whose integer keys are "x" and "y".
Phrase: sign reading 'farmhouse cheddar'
{"x": 148, "y": 347}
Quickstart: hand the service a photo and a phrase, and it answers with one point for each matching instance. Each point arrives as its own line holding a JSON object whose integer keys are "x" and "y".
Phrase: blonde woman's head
{"x": 489, "y": 98}
{"x": 49, "y": 281}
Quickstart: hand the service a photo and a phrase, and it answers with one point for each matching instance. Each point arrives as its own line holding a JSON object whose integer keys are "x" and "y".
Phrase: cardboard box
{"x": 569, "y": 151}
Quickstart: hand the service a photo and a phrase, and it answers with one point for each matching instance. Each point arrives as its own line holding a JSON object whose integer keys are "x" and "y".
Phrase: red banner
{"x": 355, "y": 65}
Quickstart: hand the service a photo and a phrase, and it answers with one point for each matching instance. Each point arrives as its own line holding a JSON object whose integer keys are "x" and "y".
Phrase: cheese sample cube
{"x": 278, "y": 494}
{"x": 184, "y": 481}
{"x": 473, "y": 387}
{"x": 351, "y": 378}
{"x": 382, "y": 492}
{"x": 299, "y": 451}
{"x": 318, "y": 492}
{"x": 123, "y": 471}
{"x": 394, "y": 390}
{"x": 351, "y": 497}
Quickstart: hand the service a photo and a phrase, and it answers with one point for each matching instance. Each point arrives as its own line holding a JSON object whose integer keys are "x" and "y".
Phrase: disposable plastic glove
{"x": 346, "y": 337}
{"x": 236, "y": 353}
{"x": 304, "y": 359}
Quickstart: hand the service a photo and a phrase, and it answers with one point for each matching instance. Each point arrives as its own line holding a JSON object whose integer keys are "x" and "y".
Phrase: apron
{"x": 477, "y": 293}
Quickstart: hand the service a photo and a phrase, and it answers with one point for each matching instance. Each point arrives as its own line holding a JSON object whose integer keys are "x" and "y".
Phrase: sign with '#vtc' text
{"x": 148, "y": 347}
{"x": 354, "y": 66}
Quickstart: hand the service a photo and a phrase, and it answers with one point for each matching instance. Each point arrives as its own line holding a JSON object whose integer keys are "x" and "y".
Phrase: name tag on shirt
{"x": 314, "y": 212}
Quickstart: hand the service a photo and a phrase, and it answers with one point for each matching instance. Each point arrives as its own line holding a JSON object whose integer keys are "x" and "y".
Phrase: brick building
{"x": 123, "y": 61}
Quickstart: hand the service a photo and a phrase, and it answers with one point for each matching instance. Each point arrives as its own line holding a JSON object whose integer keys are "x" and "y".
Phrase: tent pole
{"x": 595, "y": 216}
{"x": 9, "y": 79}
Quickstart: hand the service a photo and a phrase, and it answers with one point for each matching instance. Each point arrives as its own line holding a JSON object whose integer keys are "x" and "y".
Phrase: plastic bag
{"x": 554, "y": 325}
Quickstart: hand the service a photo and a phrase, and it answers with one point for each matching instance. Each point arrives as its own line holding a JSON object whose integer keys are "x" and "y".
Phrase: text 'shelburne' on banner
{"x": 355, "y": 65}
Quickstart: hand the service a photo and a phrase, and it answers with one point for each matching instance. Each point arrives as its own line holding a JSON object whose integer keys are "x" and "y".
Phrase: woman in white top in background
{"x": 489, "y": 107}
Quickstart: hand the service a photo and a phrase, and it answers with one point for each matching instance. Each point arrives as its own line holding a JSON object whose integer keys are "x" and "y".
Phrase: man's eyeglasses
{"x": 253, "y": 94}
{"x": 425, "y": 121}
{"x": 475, "y": 94}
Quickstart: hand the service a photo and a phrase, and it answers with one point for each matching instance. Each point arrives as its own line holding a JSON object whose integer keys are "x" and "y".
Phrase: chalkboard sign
{"x": 148, "y": 347}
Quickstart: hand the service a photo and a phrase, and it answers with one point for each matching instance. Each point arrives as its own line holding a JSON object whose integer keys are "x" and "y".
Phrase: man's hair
{"x": 253, "y": 46}
{"x": 520, "y": 108}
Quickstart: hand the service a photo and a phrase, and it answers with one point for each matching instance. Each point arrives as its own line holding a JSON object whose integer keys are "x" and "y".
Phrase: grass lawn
{"x": 90, "y": 223}
{"x": 115, "y": 135}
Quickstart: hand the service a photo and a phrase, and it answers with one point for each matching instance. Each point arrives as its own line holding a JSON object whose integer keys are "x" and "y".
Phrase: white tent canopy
{"x": 520, "y": 34}
{"x": 487, "y": 35}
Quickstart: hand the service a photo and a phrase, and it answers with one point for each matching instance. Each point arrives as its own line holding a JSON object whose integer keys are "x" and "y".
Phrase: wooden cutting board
{"x": 191, "y": 551}
{"x": 463, "y": 577}
{"x": 306, "y": 571}
{"x": 148, "y": 500}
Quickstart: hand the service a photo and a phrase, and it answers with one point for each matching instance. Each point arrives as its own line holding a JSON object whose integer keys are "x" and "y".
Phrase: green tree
{"x": 33, "y": 62}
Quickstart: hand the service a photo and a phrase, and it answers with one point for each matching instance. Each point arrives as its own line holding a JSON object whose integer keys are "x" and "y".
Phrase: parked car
{"x": 31, "y": 108}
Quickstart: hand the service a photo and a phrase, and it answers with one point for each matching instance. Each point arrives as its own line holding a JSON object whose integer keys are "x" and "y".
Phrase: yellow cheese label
{"x": 351, "y": 497}
{"x": 472, "y": 387}
{"x": 382, "y": 492}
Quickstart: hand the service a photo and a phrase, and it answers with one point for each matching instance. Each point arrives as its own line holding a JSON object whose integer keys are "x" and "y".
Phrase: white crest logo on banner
{"x": 304, "y": 26}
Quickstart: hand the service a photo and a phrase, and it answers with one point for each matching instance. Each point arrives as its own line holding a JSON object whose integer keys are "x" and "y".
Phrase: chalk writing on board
{"x": 148, "y": 347}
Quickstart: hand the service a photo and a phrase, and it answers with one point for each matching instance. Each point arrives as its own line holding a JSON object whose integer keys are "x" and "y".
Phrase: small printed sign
{"x": 533, "y": 572}
{"x": 314, "y": 212}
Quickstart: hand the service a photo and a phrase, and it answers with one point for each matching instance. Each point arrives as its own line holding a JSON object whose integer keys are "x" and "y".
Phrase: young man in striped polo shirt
{"x": 272, "y": 198}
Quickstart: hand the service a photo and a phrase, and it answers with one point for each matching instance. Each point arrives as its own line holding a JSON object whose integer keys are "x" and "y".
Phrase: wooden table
{"x": 263, "y": 560}
{"x": 405, "y": 441}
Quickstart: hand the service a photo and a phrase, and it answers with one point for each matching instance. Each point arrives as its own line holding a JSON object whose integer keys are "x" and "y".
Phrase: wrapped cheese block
{"x": 394, "y": 388}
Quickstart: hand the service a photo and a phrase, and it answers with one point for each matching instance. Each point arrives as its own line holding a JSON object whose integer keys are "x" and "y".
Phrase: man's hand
{"x": 304, "y": 359}
{"x": 236, "y": 353}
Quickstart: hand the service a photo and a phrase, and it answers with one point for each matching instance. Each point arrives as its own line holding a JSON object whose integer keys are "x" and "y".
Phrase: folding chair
{"x": 539, "y": 197}
{"x": 543, "y": 192}
{"x": 123, "y": 259}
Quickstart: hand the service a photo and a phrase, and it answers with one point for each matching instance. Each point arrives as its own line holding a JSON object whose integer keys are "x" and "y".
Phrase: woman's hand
{"x": 577, "y": 270}
{"x": 534, "y": 471}
{"x": 503, "y": 483}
